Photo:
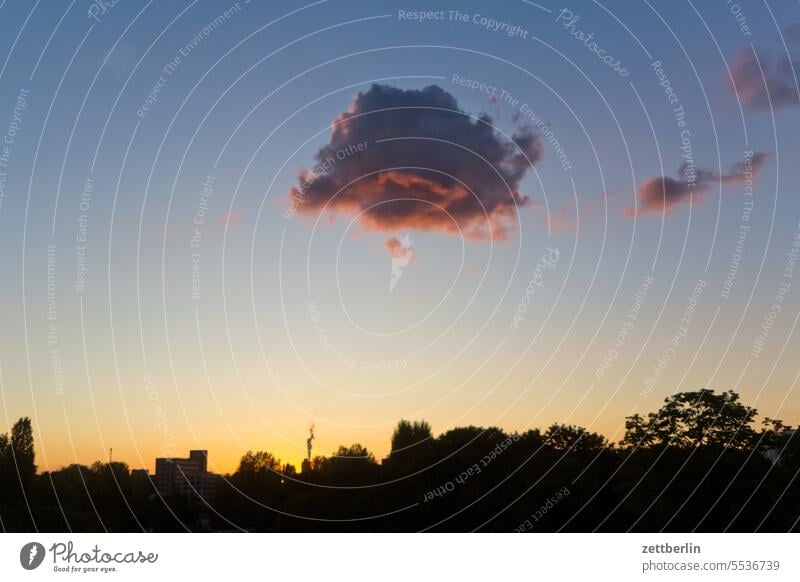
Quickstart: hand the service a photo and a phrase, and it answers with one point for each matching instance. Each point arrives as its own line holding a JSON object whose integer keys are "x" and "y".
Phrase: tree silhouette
{"x": 564, "y": 437}
{"x": 7, "y": 469}
{"x": 410, "y": 434}
{"x": 259, "y": 474}
{"x": 22, "y": 446}
{"x": 257, "y": 463}
{"x": 779, "y": 442}
{"x": 17, "y": 458}
{"x": 355, "y": 451}
{"x": 412, "y": 448}
{"x": 692, "y": 419}
{"x": 349, "y": 465}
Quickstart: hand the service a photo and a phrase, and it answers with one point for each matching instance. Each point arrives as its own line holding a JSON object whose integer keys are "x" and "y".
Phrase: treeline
{"x": 701, "y": 462}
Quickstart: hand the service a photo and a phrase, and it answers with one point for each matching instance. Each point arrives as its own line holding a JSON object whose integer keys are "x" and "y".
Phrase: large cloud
{"x": 763, "y": 80}
{"x": 661, "y": 194}
{"x": 407, "y": 175}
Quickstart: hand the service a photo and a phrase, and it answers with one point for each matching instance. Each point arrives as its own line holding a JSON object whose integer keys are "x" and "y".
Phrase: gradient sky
{"x": 147, "y": 368}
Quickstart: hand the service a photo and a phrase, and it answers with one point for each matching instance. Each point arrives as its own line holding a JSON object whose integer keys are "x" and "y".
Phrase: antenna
{"x": 309, "y": 439}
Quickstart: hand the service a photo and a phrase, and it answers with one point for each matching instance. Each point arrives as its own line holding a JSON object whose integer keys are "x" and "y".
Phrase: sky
{"x": 223, "y": 223}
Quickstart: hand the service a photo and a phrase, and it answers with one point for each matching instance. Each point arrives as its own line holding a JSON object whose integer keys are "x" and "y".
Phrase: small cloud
{"x": 660, "y": 195}
{"x": 560, "y": 219}
{"x": 764, "y": 80}
{"x": 402, "y": 255}
{"x": 229, "y": 218}
{"x": 391, "y": 245}
{"x": 399, "y": 247}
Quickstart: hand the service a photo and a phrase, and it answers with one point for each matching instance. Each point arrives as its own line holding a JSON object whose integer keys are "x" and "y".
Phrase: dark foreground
{"x": 700, "y": 463}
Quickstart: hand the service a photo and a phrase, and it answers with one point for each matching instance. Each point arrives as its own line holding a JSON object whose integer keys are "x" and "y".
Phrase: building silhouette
{"x": 188, "y": 476}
